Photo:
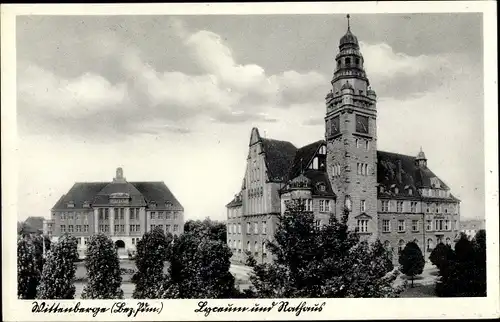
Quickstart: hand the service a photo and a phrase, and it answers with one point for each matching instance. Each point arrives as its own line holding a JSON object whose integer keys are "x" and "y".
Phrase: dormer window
{"x": 348, "y": 61}
{"x": 410, "y": 192}
{"x": 86, "y": 204}
{"x": 315, "y": 163}
{"x": 71, "y": 204}
{"x": 322, "y": 150}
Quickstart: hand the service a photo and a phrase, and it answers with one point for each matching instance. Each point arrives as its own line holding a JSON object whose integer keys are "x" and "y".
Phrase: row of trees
{"x": 330, "y": 261}
{"x": 462, "y": 271}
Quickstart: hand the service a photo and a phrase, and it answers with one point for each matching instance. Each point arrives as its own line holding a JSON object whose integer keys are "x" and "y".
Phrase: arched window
{"x": 264, "y": 250}
{"x": 401, "y": 245}
{"x": 430, "y": 244}
{"x": 249, "y": 246}
{"x": 315, "y": 163}
{"x": 256, "y": 247}
{"x": 357, "y": 143}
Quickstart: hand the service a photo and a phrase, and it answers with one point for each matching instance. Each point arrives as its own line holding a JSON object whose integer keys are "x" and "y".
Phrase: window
{"x": 153, "y": 215}
{"x": 385, "y": 206}
{"x": 133, "y": 241}
{"x": 308, "y": 204}
{"x": 137, "y": 227}
{"x": 367, "y": 145}
{"x": 106, "y": 214}
{"x": 401, "y": 225}
{"x": 357, "y": 143}
{"x": 86, "y": 240}
{"x": 348, "y": 61}
{"x": 363, "y": 206}
{"x": 248, "y": 227}
{"x": 168, "y": 215}
{"x": 79, "y": 241}
{"x": 456, "y": 225}
{"x": 176, "y": 228}
{"x": 132, "y": 228}
{"x": 116, "y": 213}
{"x": 78, "y": 228}
{"x": 176, "y": 215}
{"x": 410, "y": 192}
{"x": 264, "y": 227}
{"x": 117, "y": 227}
{"x": 63, "y": 228}
{"x": 386, "y": 225}
{"x": 414, "y": 225}
{"x": 255, "y": 228}
{"x": 322, "y": 206}
{"x": 256, "y": 248}
{"x": 315, "y": 163}
{"x": 362, "y": 225}
{"x": 86, "y": 228}
{"x": 249, "y": 246}
{"x": 399, "y": 206}
{"x": 439, "y": 225}
{"x": 327, "y": 205}
{"x": 413, "y": 207}
{"x": 70, "y": 228}
{"x": 322, "y": 150}
{"x": 167, "y": 228}
{"x": 447, "y": 225}
{"x": 264, "y": 248}
{"x": 357, "y": 62}
{"x": 239, "y": 228}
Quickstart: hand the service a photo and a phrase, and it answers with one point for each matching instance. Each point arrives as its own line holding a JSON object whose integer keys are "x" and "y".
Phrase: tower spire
{"x": 348, "y": 22}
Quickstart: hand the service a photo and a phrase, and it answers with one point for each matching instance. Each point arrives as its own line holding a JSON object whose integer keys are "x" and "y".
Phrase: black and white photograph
{"x": 245, "y": 157}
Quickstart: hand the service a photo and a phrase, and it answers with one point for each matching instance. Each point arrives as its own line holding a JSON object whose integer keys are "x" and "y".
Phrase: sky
{"x": 174, "y": 98}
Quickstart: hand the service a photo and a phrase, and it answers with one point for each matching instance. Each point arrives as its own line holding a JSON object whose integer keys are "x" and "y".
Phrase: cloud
{"x": 399, "y": 75}
{"x": 226, "y": 92}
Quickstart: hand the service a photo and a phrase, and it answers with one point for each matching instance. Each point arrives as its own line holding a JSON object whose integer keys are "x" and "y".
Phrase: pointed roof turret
{"x": 349, "y": 38}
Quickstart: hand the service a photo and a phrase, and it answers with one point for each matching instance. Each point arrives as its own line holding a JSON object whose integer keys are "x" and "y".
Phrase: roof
{"x": 303, "y": 157}
{"x": 98, "y": 193}
{"x": 317, "y": 177}
{"x": 236, "y": 202}
{"x": 400, "y": 171}
{"x": 279, "y": 156}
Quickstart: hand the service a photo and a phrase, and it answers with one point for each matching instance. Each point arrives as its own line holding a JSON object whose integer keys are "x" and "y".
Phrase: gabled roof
{"x": 279, "y": 156}
{"x": 400, "y": 171}
{"x": 317, "y": 177}
{"x": 303, "y": 157}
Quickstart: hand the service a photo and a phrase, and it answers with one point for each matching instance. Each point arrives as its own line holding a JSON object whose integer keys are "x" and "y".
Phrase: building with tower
{"x": 392, "y": 197}
{"x": 122, "y": 210}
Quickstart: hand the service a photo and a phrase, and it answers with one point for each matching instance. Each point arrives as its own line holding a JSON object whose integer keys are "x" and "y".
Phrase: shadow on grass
{"x": 419, "y": 291}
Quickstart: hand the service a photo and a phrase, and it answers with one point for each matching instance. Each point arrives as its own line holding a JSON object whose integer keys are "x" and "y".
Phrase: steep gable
{"x": 303, "y": 157}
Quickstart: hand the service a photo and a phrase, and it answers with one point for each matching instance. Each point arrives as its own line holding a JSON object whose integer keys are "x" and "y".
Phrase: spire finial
{"x": 420, "y": 148}
{"x": 348, "y": 23}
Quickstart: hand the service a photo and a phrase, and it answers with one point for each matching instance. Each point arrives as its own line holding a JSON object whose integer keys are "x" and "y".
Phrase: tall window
{"x": 357, "y": 143}
{"x": 401, "y": 225}
{"x": 386, "y": 225}
{"x": 414, "y": 225}
{"x": 399, "y": 206}
{"x": 153, "y": 215}
{"x": 363, "y": 206}
{"x": 322, "y": 206}
{"x": 413, "y": 206}
{"x": 367, "y": 145}
{"x": 239, "y": 228}
{"x": 362, "y": 225}
{"x": 447, "y": 225}
{"x": 248, "y": 227}
{"x": 255, "y": 228}
{"x": 308, "y": 203}
{"x": 63, "y": 228}
{"x": 385, "y": 206}
{"x": 249, "y": 246}
{"x": 264, "y": 227}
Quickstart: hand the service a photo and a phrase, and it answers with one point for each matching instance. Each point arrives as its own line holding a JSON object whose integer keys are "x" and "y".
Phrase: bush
{"x": 28, "y": 272}
{"x": 57, "y": 282}
{"x": 103, "y": 269}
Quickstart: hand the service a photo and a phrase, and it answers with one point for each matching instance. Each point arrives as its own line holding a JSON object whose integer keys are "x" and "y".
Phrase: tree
{"x": 479, "y": 246}
{"x": 412, "y": 261}
{"x": 57, "y": 282}
{"x": 38, "y": 242}
{"x": 152, "y": 251}
{"x": 441, "y": 254}
{"x": 28, "y": 272}
{"x": 103, "y": 269}
{"x": 207, "y": 228}
{"x": 321, "y": 262}
{"x": 200, "y": 265}
{"x": 465, "y": 274}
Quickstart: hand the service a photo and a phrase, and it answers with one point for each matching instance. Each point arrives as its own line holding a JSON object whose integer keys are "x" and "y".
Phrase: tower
{"x": 350, "y": 133}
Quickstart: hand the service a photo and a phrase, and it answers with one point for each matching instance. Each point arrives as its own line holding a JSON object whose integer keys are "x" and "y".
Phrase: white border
{"x": 14, "y": 309}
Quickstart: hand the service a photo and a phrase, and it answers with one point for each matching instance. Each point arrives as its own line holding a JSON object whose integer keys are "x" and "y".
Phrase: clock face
{"x": 335, "y": 125}
{"x": 362, "y": 124}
